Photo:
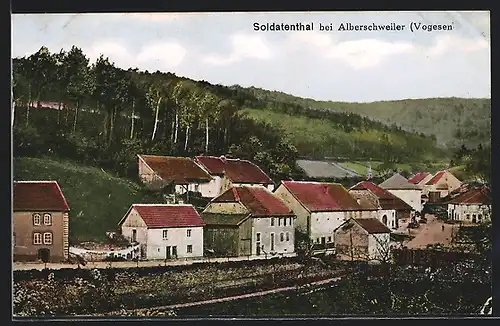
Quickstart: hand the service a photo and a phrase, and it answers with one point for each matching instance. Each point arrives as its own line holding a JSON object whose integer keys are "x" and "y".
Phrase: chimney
{"x": 359, "y": 201}
{"x": 223, "y": 158}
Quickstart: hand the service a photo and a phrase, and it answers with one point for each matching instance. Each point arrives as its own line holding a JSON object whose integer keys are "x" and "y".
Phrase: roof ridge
{"x": 35, "y": 181}
{"x": 150, "y": 204}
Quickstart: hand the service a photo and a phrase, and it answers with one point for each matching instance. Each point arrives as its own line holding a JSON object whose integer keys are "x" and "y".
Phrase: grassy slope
{"x": 97, "y": 199}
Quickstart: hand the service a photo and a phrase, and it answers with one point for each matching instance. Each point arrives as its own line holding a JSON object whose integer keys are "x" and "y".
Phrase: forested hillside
{"x": 454, "y": 121}
{"x": 106, "y": 115}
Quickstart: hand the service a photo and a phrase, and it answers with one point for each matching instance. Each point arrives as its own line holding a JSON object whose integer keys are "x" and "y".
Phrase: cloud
{"x": 446, "y": 43}
{"x": 244, "y": 46}
{"x": 358, "y": 54}
{"x": 155, "y": 56}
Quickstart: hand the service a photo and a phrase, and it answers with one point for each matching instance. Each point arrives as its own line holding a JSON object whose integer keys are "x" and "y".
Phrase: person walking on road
{"x": 442, "y": 227}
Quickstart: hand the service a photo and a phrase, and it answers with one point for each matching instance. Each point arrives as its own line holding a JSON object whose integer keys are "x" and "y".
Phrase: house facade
{"x": 363, "y": 239}
{"x": 40, "y": 222}
{"x": 248, "y": 221}
{"x": 406, "y": 191}
{"x": 473, "y": 206}
{"x": 368, "y": 200}
{"x": 392, "y": 208}
{"x": 180, "y": 172}
{"x": 440, "y": 185}
{"x": 229, "y": 172}
{"x": 164, "y": 231}
{"x": 320, "y": 208}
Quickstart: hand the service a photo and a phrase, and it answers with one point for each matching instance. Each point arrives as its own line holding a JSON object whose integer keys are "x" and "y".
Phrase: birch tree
{"x": 154, "y": 98}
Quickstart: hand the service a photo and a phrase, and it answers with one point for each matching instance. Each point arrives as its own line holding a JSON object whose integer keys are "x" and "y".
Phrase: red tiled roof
{"x": 180, "y": 170}
{"x": 238, "y": 171}
{"x": 386, "y": 199}
{"x": 372, "y": 225}
{"x": 418, "y": 177}
{"x": 168, "y": 216}
{"x": 38, "y": 196}
{"x": 378, "y": 191}
{"x": 435, "y": 179}
{"x": 319, "y": 197}
{"x": 478, "y": 196}
{"x": 258, "y": 200}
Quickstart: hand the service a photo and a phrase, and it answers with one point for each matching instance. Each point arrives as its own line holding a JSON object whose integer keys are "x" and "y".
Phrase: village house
{"x": 228, "y": 172}
{"x": 420, "y": 179}
{"x": 392, "y": 208}
{"x": 181, "y": 172}
{"x": 40, "y": 222}
{"x": 408, "y": 192}
{"x": 164, "y": 231}
{"x": 473, "y": 206}
{"x": 440, "y": 185}
{"x": 248, "y": 221}
{"x": 363, "y": 239}
{"x": 320, "y": 208}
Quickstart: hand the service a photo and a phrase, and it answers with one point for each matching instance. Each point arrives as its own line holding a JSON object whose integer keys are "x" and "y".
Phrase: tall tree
{"x": 80, "y": 84}
{"x": 155, "y": 98}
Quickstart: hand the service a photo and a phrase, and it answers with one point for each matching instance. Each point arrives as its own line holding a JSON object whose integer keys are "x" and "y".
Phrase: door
{"x": 384, "y": 219}
{"x": 323, "y": 241}
{"x": 168, "y": 252}
{"x": 44, "y": 255}
{"x": 134, "y": 235}
{"x": 258, "y": 248}
{"x": 174, "y": 251}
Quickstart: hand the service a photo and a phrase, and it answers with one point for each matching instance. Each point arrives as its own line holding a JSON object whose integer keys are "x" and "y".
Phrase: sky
{"x": 224, "y": 48}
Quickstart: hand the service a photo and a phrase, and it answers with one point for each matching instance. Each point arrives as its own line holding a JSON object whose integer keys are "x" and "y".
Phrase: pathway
{"x": 431, "y": 233}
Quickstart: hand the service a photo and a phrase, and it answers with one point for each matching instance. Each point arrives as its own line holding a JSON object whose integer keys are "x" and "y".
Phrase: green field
{"x": 97, "y": 199}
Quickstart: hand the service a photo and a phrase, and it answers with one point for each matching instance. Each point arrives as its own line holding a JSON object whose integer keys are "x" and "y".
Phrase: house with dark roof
{"x": 248, "y": 221}
{"x": 363, "y": 239}
{"x": 440, "y": 185}
{"x": 180, "y": 172}
{"x": 392, "y": 208}
{"x": 472, "y": 206}
{"x": 164, "y": 231}
{"x": 408, "y": 192}
{"x": 320, "y": 208}
{"x": 228, "y": 172}
{"x": 40, "y": 222}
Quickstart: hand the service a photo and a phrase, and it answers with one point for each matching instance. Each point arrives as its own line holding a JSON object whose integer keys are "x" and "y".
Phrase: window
{"x": 37, "y": 238}
{"x": 290, "y": 222}
{"x": 329, "y": 239}
{"x": 47, "y": 219}
{"x": 272, "y": 221}
{"x": 189, "y": 249}
{"x": 258, "y": 236}
{"x": 284, "y": 221}
{"x": 272, "y": 241}
{"x": 317, "y": 240}
{"x": 37, "y": 219}
{"x": 279, "y": 221}
{"x": 282, "y": 237}
{"x": 287, "y": 236}
{"x": 188, "y": 233}
{"x": 47, "y": 238}
{"x": 196, "y": 188}
{"x": 468, "y": 216}
{"x": 165, "y": 233}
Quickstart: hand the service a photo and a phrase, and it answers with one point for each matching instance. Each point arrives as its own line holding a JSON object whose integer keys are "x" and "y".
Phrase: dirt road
{"x": 431, "y": 233}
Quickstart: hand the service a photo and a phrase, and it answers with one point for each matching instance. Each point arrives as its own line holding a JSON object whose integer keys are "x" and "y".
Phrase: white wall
{"x": 460, "y": 212}
{"x": 156, "y": 246}
{"x": 134, "y": 221}
{"x": 206, "y": 188}
{"x": 391, "y": 217}
{"x": 324, "y": 223}
{"x": 378, "y": 246}
{"x": 411, "y": 197}
{"x": 263, "y": 226}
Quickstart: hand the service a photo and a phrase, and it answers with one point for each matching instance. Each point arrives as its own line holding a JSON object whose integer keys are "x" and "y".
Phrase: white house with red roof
{"x": 164, "y": 231}
{"x": 228, "y": 172}
{"x": 473, "y": 206}
{"x": 420, "y": 179}
{"x": 249, "y": 221}
{"x": 40, "y": 222}
{"x": 320, "y": 208}
{"x": 440, "y": 185}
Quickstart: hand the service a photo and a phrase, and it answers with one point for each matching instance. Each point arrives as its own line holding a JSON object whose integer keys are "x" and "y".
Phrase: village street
{"x": 431, "y": 233}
